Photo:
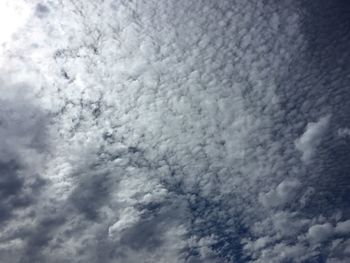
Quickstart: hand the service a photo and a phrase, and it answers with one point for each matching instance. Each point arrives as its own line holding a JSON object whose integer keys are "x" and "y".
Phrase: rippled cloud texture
{"x": 175, "y": 131}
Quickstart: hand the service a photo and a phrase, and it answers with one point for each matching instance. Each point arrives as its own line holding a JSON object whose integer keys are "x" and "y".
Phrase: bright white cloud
{"x": 13, "y": 16}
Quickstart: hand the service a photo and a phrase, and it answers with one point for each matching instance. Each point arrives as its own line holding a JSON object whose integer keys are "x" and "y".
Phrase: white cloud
{"x": 321, "y": 232}
{"x": 127, "y": 219}
{"x": 284, "y": 193}
{"x": 309, "y": 141}
{"x": 343, "y": 227}
{"x": 13, "y": 15}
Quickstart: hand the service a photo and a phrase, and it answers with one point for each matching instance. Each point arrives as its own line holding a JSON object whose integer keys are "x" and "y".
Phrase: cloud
{"x": 41, "y": 10}
{"x": 343, "y": 227}
{"x": 320, "y": 233}
{"x": 165, "y": 132}
{"x": 344, "y": 132}
{"x": 312, "y": 137}
{"x": 24, "y": 148}
{"x": 14, "y": 15}
{"x": 283, "y": 194}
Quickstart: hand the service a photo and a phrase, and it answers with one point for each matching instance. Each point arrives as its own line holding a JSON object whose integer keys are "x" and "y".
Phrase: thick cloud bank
{"x": 175, "y": 131}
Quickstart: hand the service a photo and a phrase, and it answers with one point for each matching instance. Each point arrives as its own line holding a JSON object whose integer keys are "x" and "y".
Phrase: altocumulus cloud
{"x": 175, "y": 131}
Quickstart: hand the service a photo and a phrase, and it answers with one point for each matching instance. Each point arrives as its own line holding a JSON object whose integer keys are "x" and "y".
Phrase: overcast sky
{"x": 174, "y": 131}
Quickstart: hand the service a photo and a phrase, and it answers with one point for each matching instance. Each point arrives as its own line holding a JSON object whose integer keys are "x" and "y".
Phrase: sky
{"x": 174, "y": 131}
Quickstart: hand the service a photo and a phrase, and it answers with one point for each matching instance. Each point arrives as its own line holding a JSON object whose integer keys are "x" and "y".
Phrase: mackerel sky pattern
{"x": 175, "y": 132}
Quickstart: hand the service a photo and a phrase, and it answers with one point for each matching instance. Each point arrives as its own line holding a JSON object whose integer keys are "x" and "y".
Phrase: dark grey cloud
{"x": 24, "y": 147}
{"x": 10, "y": 186}
{"x": 179, "y": 131}
{"x": 90, "y": 194}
